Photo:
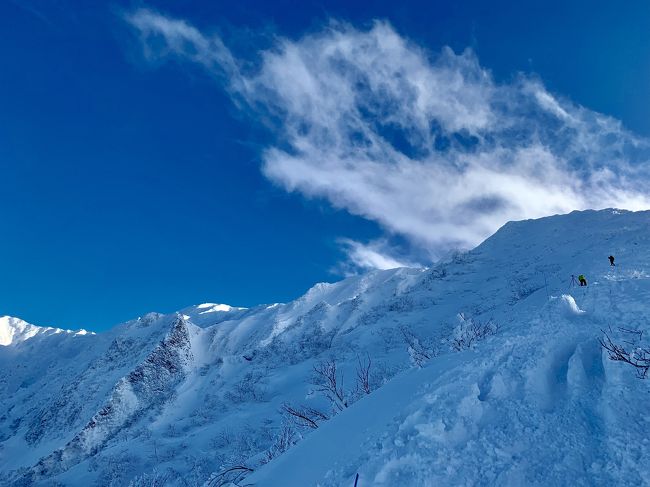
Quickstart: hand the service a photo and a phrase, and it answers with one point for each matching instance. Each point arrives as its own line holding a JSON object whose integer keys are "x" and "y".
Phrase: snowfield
{"x": 485, "y": 369}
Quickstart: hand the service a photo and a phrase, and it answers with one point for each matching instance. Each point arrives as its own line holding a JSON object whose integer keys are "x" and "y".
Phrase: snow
{"x": 14, "y": 330}
{"x": 212, "y": 307}
{"x": 534, "y": 402}
{"x": 570, "y": 305}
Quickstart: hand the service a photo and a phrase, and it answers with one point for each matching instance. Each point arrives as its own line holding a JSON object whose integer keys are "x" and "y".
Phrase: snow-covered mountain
{"x": 484, "y": 369}
{"x": 14, "y": 330}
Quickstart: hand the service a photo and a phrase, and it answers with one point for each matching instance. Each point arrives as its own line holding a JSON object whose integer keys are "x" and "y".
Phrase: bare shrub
{"x": 329, "y": 382}
{"x": 471, "y": 331}
{"x": 419, "y": 351}
{"x": 433, "y": 275}
{"x": 249, "y": 388}
{"x": 236, "y": 446}
{"x": 630, "y": 351}
{"x": 521, "y": 288}
{"x": 401, "y": 304}
{"x": 287, "y": 437}
{"x": 363, "y": 375}
{"x": 153, "y": 479}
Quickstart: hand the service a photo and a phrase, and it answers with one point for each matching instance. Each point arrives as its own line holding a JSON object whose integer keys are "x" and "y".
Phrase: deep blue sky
{"x": 127, "y": 189}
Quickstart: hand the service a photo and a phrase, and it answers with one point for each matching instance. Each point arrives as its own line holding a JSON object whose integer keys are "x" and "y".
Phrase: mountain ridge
{"x": 14, "y": 330}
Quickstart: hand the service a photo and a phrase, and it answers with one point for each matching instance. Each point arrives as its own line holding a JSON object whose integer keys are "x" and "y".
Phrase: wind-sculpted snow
{"x": 513, "y": 387}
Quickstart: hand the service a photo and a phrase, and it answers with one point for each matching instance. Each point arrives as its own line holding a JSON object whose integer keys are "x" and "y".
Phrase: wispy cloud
{"x": 378, "y": 254}
{"x": 429, "y": 146}
{"x": 28, "y": 7}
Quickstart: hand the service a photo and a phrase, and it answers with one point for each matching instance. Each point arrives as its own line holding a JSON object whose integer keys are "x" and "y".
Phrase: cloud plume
{"x": 429, "y": 146}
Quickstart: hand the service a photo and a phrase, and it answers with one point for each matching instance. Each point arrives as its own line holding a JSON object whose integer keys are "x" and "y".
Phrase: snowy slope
{"x": 179, "y": 397}
{"x": 537, "y": 404}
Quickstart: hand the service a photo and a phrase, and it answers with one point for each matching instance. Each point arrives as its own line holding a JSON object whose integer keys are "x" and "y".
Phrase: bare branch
{"x": 304, "y": 415}
{"x": 285, "y": 439}
{"x": 363, "y": 374}
{"x": 230, "y": 476}
{"x": 639, "y": 357}
{"x": 329, "y": 382}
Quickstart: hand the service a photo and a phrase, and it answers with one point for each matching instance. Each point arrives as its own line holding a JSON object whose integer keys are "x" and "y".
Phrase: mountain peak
{"x": 212, "y": 307}
{"x": 14, "y": 330}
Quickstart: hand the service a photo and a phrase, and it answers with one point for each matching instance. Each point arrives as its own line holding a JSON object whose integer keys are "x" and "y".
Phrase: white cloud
{"x": 430, "y": 147}
{"x": 162, "y": 36}
{"x": 378, "y": 254}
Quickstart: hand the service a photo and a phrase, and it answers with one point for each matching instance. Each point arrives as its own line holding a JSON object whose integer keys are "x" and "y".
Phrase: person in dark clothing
{"x": 611, "y": 260}
{"x": 583, "y": 281}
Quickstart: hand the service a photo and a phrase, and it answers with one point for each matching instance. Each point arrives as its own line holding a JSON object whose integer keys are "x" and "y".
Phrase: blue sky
{"x": 155, "y": 155}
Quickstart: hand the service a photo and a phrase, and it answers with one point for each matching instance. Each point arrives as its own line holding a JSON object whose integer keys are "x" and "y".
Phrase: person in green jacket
{"x": 583, "y": 281}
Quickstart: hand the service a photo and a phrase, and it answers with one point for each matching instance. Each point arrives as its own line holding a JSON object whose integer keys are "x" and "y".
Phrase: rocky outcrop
{"x": 148, "y": 386}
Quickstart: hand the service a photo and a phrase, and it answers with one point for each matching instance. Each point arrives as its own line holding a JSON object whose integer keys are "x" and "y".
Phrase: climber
{"x": 611, "y": 260}
{"x": 583, "y": 281}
